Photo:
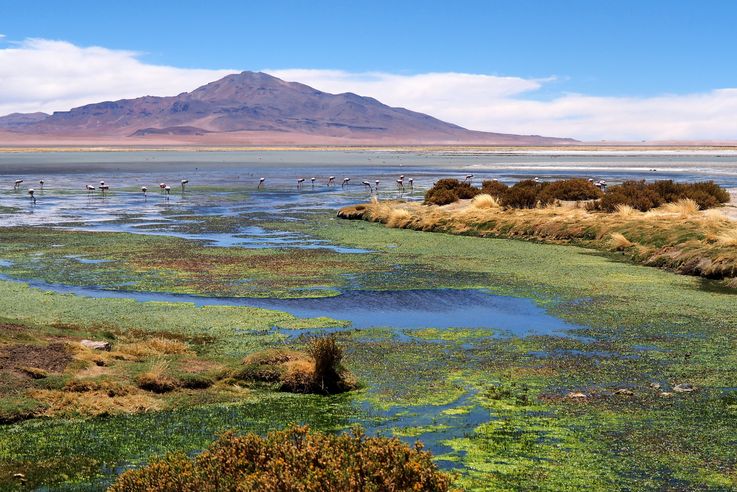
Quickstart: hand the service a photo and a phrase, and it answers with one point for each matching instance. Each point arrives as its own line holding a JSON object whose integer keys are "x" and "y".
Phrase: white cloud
{"x": 499, "y": 104}
{"x": 44, "y": 75}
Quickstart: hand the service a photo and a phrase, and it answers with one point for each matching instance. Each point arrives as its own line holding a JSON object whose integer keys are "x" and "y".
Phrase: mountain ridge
{"x": 250, "y": 102}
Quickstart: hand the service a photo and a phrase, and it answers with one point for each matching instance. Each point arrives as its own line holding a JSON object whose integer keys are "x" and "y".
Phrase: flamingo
{"x": 167, "y": 188}
{"x": 162, "y": 186}
{"x": 299, "y": 183}
{"x": 400, "y": 184}
{"x": 103, "y": 187}
{"x": 469, "y": 177}
{"x": 90, "y": 189}
{"x": 144, "y": 190}
{"x": 345, "y": 182}
{"x": 411, "y": 184}
{"x": 313, "y": 181}
{"x": 42, "y": 184}
{"x": 536, "y": 180}
{"x": 260, "y": 183}
{"x": 377, "y": 184}
{"x": 366, "y": 183}
{"x": 331, "y": 180}
{"x": 30, "y": 192}
{"x": 17, "y": 184}
{"x": 184, "y": 182}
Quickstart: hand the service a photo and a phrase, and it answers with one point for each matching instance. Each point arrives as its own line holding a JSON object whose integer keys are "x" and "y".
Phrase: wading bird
{"x": 345, "y": 182}
{"x": 17, "y": 184}
{"x": 411, "y": 184}
{"x": 184, "y": 182}
{"x": 162, "y": 186}
{"x": 42, "y": 184}
{"x": 103, "y": 187}
{"x": 90, "y": 189}
{"x": 469, "y": 177}
{"x": 377, "y": 184}
{"x": 299, "y": 183}
{"x": 331, "y": 180}
{"x": 366, "y": 183}
{"x": 30, "y": 192}
{"x": 400, "y": 184}
{"x": 313, "y": 181}
{"x": 144, "y": 190}
{"x": 260, "y": 183}
{"x": 167, "y": 189}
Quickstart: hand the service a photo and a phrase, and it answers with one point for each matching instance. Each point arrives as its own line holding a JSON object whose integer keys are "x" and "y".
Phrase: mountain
{"x": 16, "y": 121}
{"x": 248, "y": 108}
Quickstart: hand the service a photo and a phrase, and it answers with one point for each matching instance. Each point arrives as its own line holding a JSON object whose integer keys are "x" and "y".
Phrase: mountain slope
{"x": 241, "y": 104}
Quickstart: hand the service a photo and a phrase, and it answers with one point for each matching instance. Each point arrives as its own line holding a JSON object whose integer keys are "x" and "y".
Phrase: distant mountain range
{"x": 249, "y": 108}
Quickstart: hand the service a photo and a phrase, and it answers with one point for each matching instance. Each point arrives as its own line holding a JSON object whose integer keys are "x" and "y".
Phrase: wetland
{"x": 519, "y": 365}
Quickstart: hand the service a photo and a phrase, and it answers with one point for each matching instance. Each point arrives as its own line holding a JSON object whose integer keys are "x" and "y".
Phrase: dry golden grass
{"x": 156, "y": 378}
{"x": 94, "y": 403}
{"x": 154, "y": 347}
{"x": 619, "y": 242}
{"x": 626, "y": 212}
{"x": 682, "y": 208}
{"x": 484, "y": 201}
{"x": 399, "y": 218}
{"x": 728, "y": 237}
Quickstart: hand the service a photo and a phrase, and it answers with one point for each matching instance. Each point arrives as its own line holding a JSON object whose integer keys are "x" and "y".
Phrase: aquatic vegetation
{"x": 293, "y": 459}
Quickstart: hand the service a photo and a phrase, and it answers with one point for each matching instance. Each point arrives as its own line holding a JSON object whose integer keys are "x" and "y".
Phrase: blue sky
{"x": 613, "y": 49}
{"x": 599, "y": 47}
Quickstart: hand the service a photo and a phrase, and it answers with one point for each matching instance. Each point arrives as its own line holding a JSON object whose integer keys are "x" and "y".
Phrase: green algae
{"x": 641, "y": 326}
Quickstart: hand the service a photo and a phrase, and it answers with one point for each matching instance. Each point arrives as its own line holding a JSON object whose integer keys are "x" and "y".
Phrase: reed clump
{"x": 318, "y": 369}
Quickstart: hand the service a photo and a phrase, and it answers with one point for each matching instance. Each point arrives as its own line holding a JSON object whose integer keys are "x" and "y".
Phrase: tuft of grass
{"x": 398, "y": 218}
{"x": 619, "y": 242}
{"x": 154, "y": 347}
{"x": 484, "y": 201}
{"x": 156, "y": 379}
{"x": 728, "y": 238}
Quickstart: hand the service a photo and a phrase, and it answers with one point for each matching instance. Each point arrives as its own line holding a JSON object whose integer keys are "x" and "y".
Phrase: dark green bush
{"x": 448, "y": 190}
{"x": 493, "y": 188}
{"x": 570, "y": 189}
{"x": 294, "y": 459}
{"x": 525, "y": 194}
{"x": 645, "y": 196}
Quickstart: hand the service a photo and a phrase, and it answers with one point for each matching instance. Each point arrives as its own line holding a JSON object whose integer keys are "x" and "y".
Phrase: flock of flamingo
{"x": 166, "y": 189}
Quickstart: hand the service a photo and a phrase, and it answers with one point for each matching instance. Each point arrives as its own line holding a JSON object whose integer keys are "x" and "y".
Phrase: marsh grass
{"x": 677, "y": 235}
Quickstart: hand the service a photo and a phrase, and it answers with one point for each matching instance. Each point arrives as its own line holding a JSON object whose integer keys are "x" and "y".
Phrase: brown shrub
{"x": 447, "y": 190}
{"x": 293, "y": 459}
{"x": 645, "y": 196}
{"x": 493, "y": 188}
{"x": 525, "y": 194}
{"x": 569, "y": 190}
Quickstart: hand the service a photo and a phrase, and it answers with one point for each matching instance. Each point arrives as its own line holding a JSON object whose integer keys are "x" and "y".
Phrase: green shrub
{"x": 294, "y": 459}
